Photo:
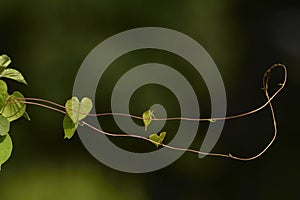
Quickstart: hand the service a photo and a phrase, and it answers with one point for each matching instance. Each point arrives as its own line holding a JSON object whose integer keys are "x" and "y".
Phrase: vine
{"x": 13, "y": 106}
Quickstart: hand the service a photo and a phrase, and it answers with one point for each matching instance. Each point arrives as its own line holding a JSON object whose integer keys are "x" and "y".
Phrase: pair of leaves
{"x": 76, "y": 111}
{"x": 157, "y": 139}
{"x": 9, "y": 72}
{"x": 11, "y": 106}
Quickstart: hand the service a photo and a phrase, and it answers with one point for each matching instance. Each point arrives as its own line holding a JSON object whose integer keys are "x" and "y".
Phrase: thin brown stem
{"x": 37, "y": 104}
{"x": 147, "y": 139}
{"x": 45, "y": 106}
{"x": 265, "y": 86}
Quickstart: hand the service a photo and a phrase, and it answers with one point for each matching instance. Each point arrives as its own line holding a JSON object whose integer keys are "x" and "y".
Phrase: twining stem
{"x": 45, "y": 106}
{"x": 145, "y": 138}
{"x": 266, "y": 77}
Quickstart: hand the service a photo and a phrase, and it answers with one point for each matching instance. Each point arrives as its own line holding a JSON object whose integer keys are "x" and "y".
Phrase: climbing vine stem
{"x": 64, "y": 110}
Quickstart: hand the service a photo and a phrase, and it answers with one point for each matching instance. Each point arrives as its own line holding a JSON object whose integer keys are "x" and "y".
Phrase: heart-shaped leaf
{"x": 78, "y": 110}
{"x": 6, "y": 147}
{"x": 69, "y": 127}
{"x": 157, "y": 139}
{"x": 13, "y": 74}
{"x": 4, "y": 61}
{"x": 4, "y": 125}
{"x": 3, "y": 93}
{"x": 147, "y": 118}
{"x": 14, "y": 108}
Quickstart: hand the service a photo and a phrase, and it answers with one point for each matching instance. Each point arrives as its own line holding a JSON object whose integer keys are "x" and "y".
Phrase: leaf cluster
{"x": 12, "y": 106}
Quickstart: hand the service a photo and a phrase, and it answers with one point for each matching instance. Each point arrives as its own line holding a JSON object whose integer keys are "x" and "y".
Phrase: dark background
{"x": 48, "y": 40}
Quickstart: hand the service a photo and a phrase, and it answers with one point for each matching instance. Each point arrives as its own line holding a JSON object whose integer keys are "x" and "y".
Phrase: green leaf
{"x": 147, "y": 118}
{"x": 14, "y": 107}
{"x": 78, "y": 110}
{"x": 4, "y": 125}
{"x": 13, "y": 74}
{"x": 212, "y": 120}
{"x": 3, "y": 93}
{"x": 69, "y": 127}
{"x": 157, "y": 139}
{"x": 26, "y": 116}
{"x": 4, "y": 61}
{"x": 6, "y": 147}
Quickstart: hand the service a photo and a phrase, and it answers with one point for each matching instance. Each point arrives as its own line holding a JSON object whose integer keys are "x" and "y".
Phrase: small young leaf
{"x": 14, "y": 108}
{"x": 3, "y": 93}
{"x": 212, "y": 120}
{"x": 154, "y": 139}
{"x": 13, "y": 74}
{"x": 147, "y": 118}
{"x": 26, "y": 116}
{"x": 4, "y": 126}
{"x": 78, "y": 110}
{"x": 4, "y": 61}
{"x": 157, "y": 139}
{"x": 6, "y": 147}
{"x": 69, "y": 127}
{"x": 162, "y": 136}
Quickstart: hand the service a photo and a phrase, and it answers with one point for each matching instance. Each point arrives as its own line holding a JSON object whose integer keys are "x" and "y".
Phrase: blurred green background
{"x": 48, "y": 40}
